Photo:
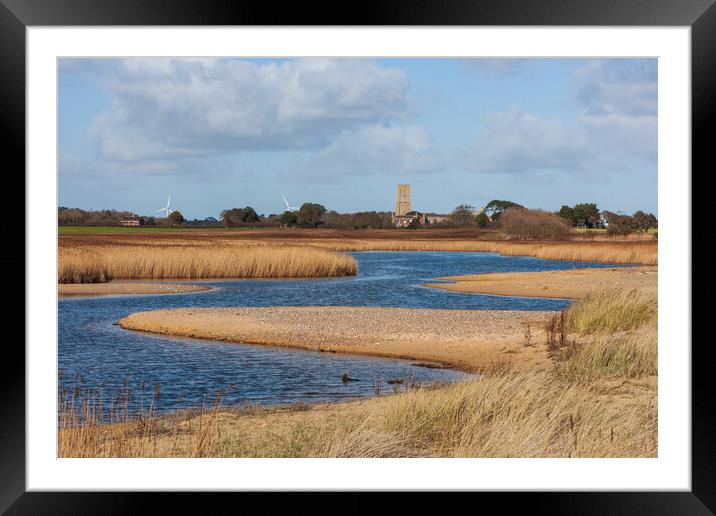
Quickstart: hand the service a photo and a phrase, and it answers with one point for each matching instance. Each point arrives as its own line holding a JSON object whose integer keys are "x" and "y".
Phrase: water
{"x": 190, "y": 372}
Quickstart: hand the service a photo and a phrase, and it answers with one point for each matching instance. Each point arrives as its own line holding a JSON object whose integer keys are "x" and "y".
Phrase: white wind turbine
{"x": 288, "y": 206}
{"x": 166, "y": 210}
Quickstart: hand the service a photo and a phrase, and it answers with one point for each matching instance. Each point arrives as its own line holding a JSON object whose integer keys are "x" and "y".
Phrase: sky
{"x": 224, "y": 133}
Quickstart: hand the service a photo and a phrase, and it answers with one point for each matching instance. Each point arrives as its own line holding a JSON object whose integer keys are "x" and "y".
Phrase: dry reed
{"x": 99, "y": 264}
{"x": 601, "y": 252}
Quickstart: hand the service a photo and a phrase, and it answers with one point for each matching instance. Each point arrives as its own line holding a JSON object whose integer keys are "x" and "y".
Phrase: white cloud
{"x": 376, "y": 149}
{"x": 618, "y": 86}
{"x": 176, "y": 108}
{"x": 616, "y": 126}
{"x": 516, "y": 141}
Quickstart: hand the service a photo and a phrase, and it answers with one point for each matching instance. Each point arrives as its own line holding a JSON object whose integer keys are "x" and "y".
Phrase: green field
{"x": 96, "y": 230}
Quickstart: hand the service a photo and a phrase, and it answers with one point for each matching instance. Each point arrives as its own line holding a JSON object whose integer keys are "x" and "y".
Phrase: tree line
{"x": 314, "y": 215}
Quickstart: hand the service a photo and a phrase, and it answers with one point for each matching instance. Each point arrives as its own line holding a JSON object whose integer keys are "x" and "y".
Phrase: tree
{"x": 645, "y": 221}
{"x": 620, "y": 224}
{"x": 175, "y": 218}
{"x": 533, "y": 224}
{"x": 495, "y": 208}
{"x": 151, "y": 221}
{"x": 367, "y": 220}
{"x": 289, "y": 218}
{"x": 463, "y": 215}
{"x": 583, "y": 215}
{"x": 239, "y": 216}
{"x": 311, "y": 215}
{"x": 567, "y": 213}
{"x": 482, "y": 219}
{"x": 586, "y": 215}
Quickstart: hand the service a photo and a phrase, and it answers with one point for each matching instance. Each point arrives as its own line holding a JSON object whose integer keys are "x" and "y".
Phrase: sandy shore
{"x": 568, "y": 284}
{"x": 462, "y": 339}
{"x": 114, "y": 288}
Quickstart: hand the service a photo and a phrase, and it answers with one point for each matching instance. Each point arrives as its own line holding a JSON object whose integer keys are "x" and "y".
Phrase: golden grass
{"x": 601, "y": 252}
{"x": 631, "y": 355}
{"x": 512, "y": 414}
{"x": 86, "y": 264}
{"x": 635, "y": 249}
{"x": 612, "y": 310}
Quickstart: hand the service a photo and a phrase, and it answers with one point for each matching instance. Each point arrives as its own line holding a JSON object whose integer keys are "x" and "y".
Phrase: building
{"x": 434, "y": 218}
{"x": 412, "y": 217}
{"x": 130, "y": 221}
{"x": 402, "y": 201}
{"x": 404, "y": 216}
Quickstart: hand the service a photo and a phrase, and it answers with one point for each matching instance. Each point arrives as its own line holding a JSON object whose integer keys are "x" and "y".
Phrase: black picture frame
{"x": 16, "y": 15}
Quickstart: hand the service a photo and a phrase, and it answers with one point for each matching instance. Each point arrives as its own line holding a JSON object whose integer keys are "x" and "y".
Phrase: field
{"x": 598, "y": 399}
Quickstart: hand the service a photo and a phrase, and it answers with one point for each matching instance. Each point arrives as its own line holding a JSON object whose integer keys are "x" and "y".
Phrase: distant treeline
{"x": 313, "y": 215}
{"x": 79, "y": 217}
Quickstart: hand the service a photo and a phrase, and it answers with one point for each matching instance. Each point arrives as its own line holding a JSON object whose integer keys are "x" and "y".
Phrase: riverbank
{"x": 564, "y": 284}
{"x": 596, "y": 398}
{"x": 509, "y": 414}
{"x": 468, "y": 340}
{"x": 119, "y": 288}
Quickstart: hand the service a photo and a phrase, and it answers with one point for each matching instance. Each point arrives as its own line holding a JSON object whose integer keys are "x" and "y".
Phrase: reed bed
{"x": 85, "y": 264}
{"x": 637, "y": 253}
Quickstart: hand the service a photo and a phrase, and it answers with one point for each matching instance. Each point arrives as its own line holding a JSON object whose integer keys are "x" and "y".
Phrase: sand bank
{"x": 463, "y": 339}
{"x": 125, "y": 288}
{"x": 567, "y": 284}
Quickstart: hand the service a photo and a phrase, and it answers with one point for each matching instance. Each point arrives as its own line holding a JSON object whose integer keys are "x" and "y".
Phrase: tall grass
{"x": 86, "y": 264}
{"x": 612, "y": 334}
{"x": 632, "y": 355}
{"x": 91, "y": 425}
{"x": 637, "y": 253}
{"x": 609, "y": 250}
{"x": 611, "y": 310}
{"x": 511, "y": 414}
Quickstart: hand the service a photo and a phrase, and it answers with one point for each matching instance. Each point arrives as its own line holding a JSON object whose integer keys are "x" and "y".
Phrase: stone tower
{"x": 402, "y": 201}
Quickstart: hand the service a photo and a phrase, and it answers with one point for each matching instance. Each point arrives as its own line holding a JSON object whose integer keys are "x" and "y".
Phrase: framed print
{"x": 413, "y": 250}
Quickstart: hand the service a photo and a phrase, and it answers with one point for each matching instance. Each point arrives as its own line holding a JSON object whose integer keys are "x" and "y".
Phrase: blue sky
{"x": 223, "y": 133}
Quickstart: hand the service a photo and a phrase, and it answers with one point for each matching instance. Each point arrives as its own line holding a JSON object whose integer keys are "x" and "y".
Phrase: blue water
{"x": 95, "y": 352}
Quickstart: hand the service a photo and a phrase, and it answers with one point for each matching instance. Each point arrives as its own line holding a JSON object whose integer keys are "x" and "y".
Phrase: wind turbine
{"x": 166, "y": 210}
{"x": 288, "y": 206}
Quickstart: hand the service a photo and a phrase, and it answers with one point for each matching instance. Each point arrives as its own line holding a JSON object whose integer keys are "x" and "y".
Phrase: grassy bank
{"x": 597, "y": 400}
{"x": 98, "y": 264}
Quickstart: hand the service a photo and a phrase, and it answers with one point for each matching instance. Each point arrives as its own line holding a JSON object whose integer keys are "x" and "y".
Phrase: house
{"x": 130, "y": 221}
{"x": 411, "y": 217}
